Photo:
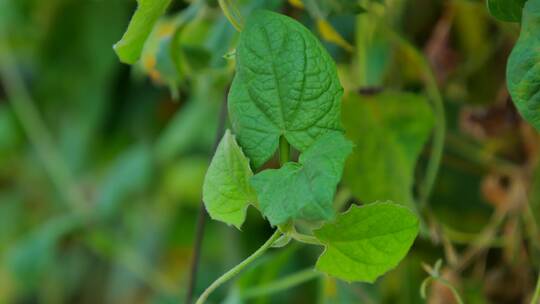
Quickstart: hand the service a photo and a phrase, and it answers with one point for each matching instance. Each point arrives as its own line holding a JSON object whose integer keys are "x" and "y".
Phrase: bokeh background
{"x": 101, "y": 164}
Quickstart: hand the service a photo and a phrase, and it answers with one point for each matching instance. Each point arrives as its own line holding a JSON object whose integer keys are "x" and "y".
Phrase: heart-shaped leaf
{"x": 304, "y": 190}
{"x": 286, "y": 85}
{"x": 523, "y": 71}
{"x": 226, "y": 190}
{"x": 506, "y": 10}
{"x": 365, "y": 242}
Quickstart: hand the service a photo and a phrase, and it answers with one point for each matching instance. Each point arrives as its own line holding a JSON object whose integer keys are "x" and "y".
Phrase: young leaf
{"x": 388, "y": 140}
{"x": 523, "y": 71}
{"x": 129, "y": 48}
{"x": 304, "y": 190}
{"x": 286, "y": 84}
{"x": 365, "y": 242}
{"x": 226, "y": 190}
{"x": 506, "y": 10}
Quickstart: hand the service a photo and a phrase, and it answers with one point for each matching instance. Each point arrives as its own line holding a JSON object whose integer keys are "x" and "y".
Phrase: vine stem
{"x": 201, "y": 219}
{"x": 282, "y": 284}
{"x": 439, "y": 130}
{"x": 439, "y": 133}
{"x": 444, "y": 282}
{"x": 284, "y": 151}
{"x": 304, "y": 238}
{"x": 238, "y": 268}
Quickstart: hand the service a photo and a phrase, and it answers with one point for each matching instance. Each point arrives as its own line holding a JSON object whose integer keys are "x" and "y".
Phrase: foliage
{"x": 388, "y": 141}
{"x": 227, "y": 192}
{"x": 506, "y": 10}
{"x": 304, "y": 190}
{"x": 130, "y": 47}
{"x": 522, "y": 66}
{"x": 104, "y": 166}
{"x": 286, "y": 85}
{"x": 365, "y": 242}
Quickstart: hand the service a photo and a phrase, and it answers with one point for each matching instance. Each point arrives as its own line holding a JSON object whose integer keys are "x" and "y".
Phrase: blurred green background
{"x": 101, "y": 164}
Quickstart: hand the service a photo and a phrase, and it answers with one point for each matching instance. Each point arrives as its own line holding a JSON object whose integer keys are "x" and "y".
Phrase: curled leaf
{"x": 130, "y": 47}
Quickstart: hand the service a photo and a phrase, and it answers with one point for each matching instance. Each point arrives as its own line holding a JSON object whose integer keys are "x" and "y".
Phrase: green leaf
{"x": 506, "y": 10}
{"x": 365, "y": 242}
{"x": 523, "y": 71}
{"x": 286, "y": 84}
{"x": 129, "y": 48}
{"x": 388, "y": 140}
{"x": 160, "y": 54}
{"x": 304, "y": 190}
{"x": 226, "y": 190}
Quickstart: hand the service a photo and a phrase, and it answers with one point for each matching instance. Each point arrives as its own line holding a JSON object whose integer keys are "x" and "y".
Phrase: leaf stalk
{"x": 284, "y": 151}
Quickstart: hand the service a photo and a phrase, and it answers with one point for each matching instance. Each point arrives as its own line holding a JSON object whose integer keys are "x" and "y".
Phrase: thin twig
{"x": 201, "y": 220}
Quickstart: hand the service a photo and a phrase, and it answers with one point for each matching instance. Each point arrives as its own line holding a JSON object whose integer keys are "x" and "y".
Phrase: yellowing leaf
{"x": 297, "y": 3}
{"x": 329, "y": 34}
{"x": 156, "y": 57}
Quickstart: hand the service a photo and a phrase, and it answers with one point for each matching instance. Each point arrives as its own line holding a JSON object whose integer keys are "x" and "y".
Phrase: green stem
{"x": 454, "y": 291}
{"x": 536, "y": 296}
{"x": 232, "y": 14}
{"x": 284, "y": 151}
{"x": 283, "y": 284}
{"x": 304, "y": 238}
{"x": 474, "y": 153}
{"x": 342, "y": 198}
{"x": 428, "y": 280}
{"x": 238, "y": 268}
{"x": 439, "y": 131}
